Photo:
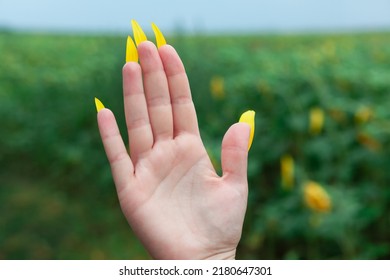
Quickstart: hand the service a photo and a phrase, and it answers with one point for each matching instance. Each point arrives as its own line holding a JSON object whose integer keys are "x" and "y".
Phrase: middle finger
{"x": 156, "y": 91}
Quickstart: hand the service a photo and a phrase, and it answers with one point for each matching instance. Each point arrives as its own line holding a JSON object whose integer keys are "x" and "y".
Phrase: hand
{"x": 167, "y": 187}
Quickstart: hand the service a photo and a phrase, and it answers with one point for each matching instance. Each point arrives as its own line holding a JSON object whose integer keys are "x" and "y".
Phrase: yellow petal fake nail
{"x": 249, "y": 118}
{"x": 139, "y": 35}
{"x": 99, "y": 105}
{"x": 160, "y": 40}
{"x": 131, "y": 50}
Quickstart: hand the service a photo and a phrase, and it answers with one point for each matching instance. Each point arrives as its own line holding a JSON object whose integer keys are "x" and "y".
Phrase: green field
{"x": 322, "y": 102}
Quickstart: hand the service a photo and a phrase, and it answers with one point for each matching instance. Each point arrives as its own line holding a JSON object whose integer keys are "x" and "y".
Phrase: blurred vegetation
{"x": 318, "y": 167}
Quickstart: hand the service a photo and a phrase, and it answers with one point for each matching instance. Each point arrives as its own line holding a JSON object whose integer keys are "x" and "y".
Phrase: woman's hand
{"x": 167, "y": 187}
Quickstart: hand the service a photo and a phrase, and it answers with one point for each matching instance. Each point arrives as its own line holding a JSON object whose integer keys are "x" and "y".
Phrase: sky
{"x": 196, "y": 16}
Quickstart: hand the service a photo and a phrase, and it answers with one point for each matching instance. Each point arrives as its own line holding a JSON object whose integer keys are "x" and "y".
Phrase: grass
{"x": 57, "y": 197}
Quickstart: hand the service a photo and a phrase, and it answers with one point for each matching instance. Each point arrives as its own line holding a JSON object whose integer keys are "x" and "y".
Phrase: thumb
{"x": 234, "y": 152}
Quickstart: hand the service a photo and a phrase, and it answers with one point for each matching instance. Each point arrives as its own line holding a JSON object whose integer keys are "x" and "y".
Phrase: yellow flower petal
{"x": 99, "y": 105}
{"x": 131, "y": 50}
{"x": 363, "y": 115}
{"x": 139, "y": 35}
{"x": 287, "y": 171}
{"x": 160, "y": 40}
{"x": 217, "y": 87}
{"x": 316, "y": 197}
{"x": 316, "y": 120}
{"x": 370, "y": 142}
{"x": 249, "y": 118}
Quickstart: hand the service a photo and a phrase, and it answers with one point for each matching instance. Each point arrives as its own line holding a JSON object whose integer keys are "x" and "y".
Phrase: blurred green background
{"x": 322, "y": 104}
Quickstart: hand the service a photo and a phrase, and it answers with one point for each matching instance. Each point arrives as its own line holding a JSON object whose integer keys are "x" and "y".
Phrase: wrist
{"x": 228, "y": 255}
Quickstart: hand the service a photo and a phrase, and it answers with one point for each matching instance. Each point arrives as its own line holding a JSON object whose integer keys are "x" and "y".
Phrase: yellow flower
{"x": 316, "y": 120}
{"x": 217, "y": 87}
{"x": 249, "y": 118}
{"x": 363, "y": 115}
{"x": 287, "y": 171}
{"x": 316, "y": 197}
{"x": 368, "y": 141}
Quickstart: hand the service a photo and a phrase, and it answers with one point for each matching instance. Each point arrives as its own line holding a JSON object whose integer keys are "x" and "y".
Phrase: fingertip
{"x": 241, "y": 132}
{"x": 146, "y": 47}
{"x": 247, "y": 130}
{"x": 132, "y": 77}
{"x": 105, "y": 117}
{"x": 129, "y": 67}
{"x": 171, "y": 60}
{"x": 149, "y": 57}
{"x": 167, "y": 47}
{"x": 104, "y": 111}
{"x": 245, "y": 127}
{"x": 167, "y": 50}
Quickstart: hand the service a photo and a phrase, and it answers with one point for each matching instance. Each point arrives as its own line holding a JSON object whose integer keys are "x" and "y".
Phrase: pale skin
{"x": 169, "y": 192}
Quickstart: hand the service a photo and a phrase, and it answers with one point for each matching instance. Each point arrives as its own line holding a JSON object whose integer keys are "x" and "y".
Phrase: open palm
{"x": 168, "y": 189}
